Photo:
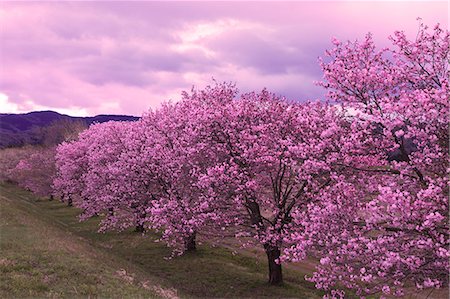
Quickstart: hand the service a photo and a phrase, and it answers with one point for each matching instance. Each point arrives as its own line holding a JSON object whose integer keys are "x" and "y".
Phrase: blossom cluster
{"x": 390, "y": 229}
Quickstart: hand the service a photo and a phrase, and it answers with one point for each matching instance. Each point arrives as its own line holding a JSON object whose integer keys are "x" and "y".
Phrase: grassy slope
{"x": 45, "y": 251}
{"x": 39, "y": 259}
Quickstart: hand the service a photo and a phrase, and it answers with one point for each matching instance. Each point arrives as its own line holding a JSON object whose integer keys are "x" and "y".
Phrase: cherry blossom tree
{"x": 131, "y": 176}
{"x": 9, "y": 158}
{"x": 275, "y": 163}
{"x": 102, "y": 192}
{"x": 71, "y": 165}
{"x": 33, "y": 167}
{"x": 178, "y": 153}
{"x": 146, "y": 173}
{"x": 89, "y": 170}
{"x": 361, "y": 184}
{"x": 386, "y": 226}
{"x": 36, "y": 171}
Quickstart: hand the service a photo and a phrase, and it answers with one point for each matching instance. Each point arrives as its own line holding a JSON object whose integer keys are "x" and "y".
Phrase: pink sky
{"x": 126, "y": 57}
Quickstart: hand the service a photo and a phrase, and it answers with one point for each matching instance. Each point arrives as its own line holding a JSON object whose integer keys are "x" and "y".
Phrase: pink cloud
{"x": 120, "y": 57}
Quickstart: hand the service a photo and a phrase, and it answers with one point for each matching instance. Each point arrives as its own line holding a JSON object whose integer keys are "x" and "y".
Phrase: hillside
{"x": 21, "y": 129}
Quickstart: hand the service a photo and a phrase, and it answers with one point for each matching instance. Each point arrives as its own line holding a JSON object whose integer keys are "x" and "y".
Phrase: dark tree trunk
{"x": 189, "y": 244}
{"x": 255, "y": 213}
{"x": 51, "y": 197}
{"x": 275, "y": 274}
{"x": 69, "y": 201}
{"x": 139, "y": 228}
{"x": 272, "y": 252}
{"x": 140, "y": 223}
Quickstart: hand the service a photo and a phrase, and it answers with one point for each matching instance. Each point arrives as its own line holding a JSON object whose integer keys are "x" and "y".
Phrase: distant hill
{"x": 21, "y": 129}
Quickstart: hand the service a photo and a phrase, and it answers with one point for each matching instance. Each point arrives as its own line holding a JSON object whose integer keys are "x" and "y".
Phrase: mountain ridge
{"x": 23, "y": 128}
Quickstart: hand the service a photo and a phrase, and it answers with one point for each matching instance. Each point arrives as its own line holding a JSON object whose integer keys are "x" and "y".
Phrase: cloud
{"x": 27, "y": 106}
{"x": 125, "y": 57}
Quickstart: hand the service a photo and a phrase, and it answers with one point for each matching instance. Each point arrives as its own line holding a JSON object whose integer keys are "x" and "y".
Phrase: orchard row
{"x": 360, "y": 183}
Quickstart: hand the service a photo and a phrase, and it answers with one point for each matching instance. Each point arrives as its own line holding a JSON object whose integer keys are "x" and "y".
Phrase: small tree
{"x": 36, "y": 172}
{"x": 9, "y": 158}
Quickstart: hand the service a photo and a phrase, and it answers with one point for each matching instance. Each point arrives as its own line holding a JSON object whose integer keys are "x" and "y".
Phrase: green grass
{"x": 39, "y": 259}
{"x": 47, "y": 252}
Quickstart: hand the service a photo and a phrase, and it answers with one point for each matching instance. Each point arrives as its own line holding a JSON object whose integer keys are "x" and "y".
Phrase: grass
{"x": 47, "y": 252}
{"x": 39, "y": 259}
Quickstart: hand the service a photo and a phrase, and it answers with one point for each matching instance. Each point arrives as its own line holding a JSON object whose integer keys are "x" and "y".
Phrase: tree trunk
{"x": 275, "y": 274}
{"x": 272, "y": 252}
{"x": 140, "y": 223}
{"x": 255, "y": 214}
{"x": 189, "y": 244}
{"x": 51, "y": 197}
{"x": 69, "y": 201}
{"x": 139, "y": 228}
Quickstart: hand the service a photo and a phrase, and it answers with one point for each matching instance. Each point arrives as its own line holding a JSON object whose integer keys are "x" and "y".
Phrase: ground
{"x": 47, "y": 252}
